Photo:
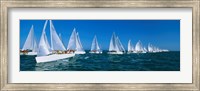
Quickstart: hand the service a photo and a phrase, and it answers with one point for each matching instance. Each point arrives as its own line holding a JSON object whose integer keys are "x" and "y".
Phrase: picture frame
{"x": 4, "y": 57}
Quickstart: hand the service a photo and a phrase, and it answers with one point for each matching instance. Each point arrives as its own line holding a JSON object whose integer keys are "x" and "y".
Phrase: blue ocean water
{"x": 164, "y": 61}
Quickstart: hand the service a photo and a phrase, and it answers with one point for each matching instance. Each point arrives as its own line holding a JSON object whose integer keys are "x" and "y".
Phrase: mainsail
{"x": 30, "y": 43}
{"x": 119, "y": 44}
{"x": 138, "y": 46}
{"x": 74, "y": 42}
{"x": 56, "y": 43}
{"x": 43, "y": 44}
{"x": 130, "y": 46}
{"x": 79, "y": 46}
{"x": 95, "y": 45}
{"x": 150, "y": 48}
{"x": 114, "y": 44}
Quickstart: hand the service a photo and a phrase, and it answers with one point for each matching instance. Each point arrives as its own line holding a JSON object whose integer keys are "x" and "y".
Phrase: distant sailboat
{"x": 46, "y": 54}
{"x": 95, "y": 46}
{"x": 153, "y": 49}
{"x": 74, "y": 44}
{"x": 131, "y": 48}
{"x": 30, "y": 45}
{"x": 115, "y": 45}
{"x": 139, "y": 48}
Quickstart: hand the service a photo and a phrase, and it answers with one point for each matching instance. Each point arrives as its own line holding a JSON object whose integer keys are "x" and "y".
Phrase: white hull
{"x": 115, "y": 53}
{"x": 53, "y": 57}
{"x": 95, "y": 52}
{"x": 140, "y": 52}
{"x": 80, "y": 52}
{"x": 29, "y": 53}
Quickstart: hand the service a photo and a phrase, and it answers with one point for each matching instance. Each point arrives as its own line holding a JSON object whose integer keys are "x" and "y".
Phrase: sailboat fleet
{"x": 56, "y": 50}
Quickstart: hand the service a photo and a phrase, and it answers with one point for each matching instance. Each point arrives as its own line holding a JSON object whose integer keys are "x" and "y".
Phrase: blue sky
{"x": 164, "y": 34}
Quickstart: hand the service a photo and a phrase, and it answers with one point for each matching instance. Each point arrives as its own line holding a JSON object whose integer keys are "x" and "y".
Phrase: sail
{"x": 30, "y": 40}
{"x": 43, "y": 47}
{"x": 144, "y": 49}
{"x": 112, "y": 46}
{"x": 56, "y": 43}
{"x": 138, "y": 46}
{"x": 129, "y": 45}
{"x": 79, "y": 46}
{"x": 35, "y": 46}
{"x": 60, "y": 36}
{"x": 119, "y": 44}
{"x": 72, "y": 41}
{"x": 45, "y": 36}
{"x": 95, "y": 45}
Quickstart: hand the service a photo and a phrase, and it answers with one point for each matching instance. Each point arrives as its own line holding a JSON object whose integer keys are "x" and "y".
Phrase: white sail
{"x": 60, "y": 36}
{"x": 75, "y": 43}
{"x": 119, "y": 44}
{"x": 113, "y": 45}
{"x": 79, "y": 46}
{"x": 56, "y": 43}
{"x": 144, "y": 49}
{"x": 138, "y": 46}
{"x": 150, "y": 49}
{"x": 129, "y": 46}
{"x": 72, "y": 41}
{"x": 30, "y": 43}
{"x": 95, "y": 45}
{"x": 43, "y": 47}
{"x": 35, "y": 46}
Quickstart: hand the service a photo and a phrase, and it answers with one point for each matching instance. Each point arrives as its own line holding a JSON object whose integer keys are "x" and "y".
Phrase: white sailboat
{"x": 95, "y": 46}
{"x": 30, "y": 45}
{"x": 139, "y": 48}
{"x": 115, "y": 45}
{"x": 44, "y": 53}
{"x": 74, "y": 44}
{"x": 150, "y": 48}
{"x": 153, "y": 49}
{"x": 131, "y": 48}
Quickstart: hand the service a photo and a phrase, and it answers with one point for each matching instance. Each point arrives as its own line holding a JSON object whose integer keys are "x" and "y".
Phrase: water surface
{"x": 165, "y": 61}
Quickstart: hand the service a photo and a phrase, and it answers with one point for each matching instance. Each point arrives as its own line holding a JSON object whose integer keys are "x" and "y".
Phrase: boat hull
{"x": 115, "y": 53}
{"x": 95, "y": 52}
{"x": 29, "y": 53}
{"x": 53, "y": 57}
{"x": 80, "y": 52}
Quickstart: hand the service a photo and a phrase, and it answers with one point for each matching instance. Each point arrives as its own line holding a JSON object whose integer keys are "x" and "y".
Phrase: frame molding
{"x": 6, "y": 4}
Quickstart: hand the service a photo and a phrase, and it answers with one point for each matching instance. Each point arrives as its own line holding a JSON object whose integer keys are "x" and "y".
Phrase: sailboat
{"x": 30, "y": 45}
{"x": 74, "y": 44}
{"x": 53, "y": 53}
{"x": 154, "y": 49}
{"x": 95, "y": 46}
{"x": 139, "y": 48}
{"x": 115, "y": 45}
{"x": 131, "y": 48}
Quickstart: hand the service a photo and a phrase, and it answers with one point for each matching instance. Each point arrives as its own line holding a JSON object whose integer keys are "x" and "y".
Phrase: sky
{"x": 164, "y": 34}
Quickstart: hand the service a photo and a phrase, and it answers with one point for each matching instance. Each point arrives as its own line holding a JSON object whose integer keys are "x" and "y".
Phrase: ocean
{"x": 163, "y": 61}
